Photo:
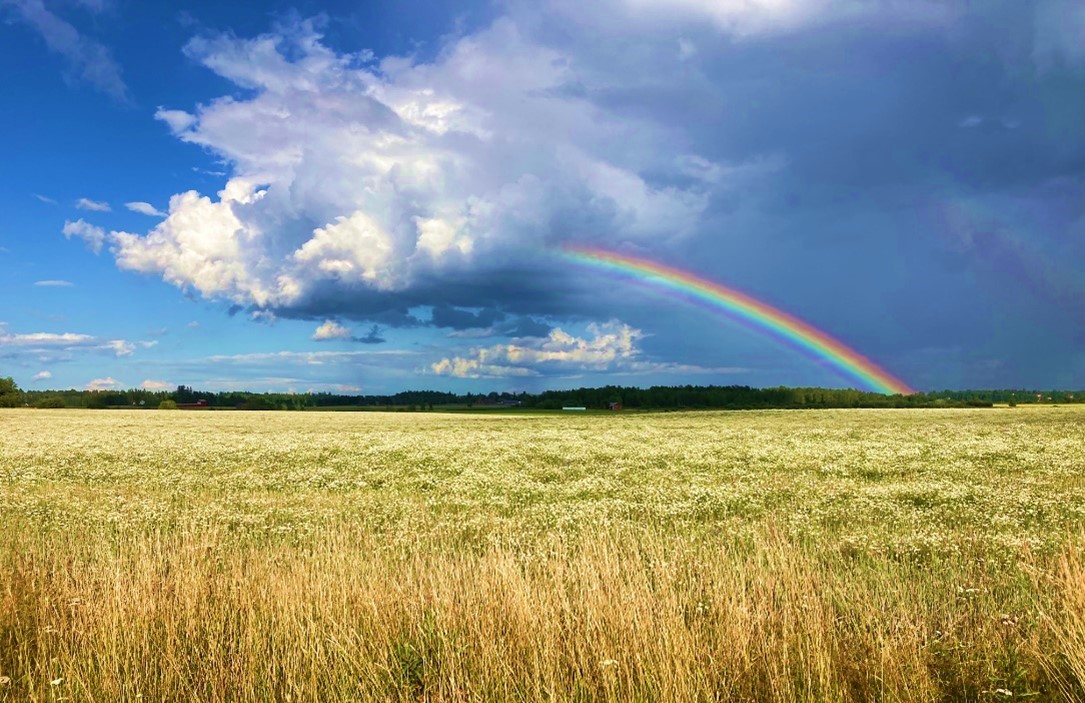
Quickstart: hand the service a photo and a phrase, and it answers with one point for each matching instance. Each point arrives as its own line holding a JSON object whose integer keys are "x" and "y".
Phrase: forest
{"x": 602, "y": 398}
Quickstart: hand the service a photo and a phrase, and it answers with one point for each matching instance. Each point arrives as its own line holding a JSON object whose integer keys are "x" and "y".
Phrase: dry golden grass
{"x": 805, "y": 556}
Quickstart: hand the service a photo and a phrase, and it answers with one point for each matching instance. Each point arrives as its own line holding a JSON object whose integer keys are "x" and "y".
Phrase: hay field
{"x": 930, "y": 555}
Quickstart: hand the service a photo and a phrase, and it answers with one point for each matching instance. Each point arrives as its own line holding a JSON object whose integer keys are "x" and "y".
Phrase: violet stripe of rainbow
{"x": 763, "y": 316}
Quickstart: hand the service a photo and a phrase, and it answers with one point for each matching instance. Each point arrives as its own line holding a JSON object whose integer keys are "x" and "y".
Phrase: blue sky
{"x": 368, "y": 197}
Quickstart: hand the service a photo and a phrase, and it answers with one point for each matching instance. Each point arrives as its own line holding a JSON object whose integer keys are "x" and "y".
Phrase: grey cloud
{"x": 371, "y": 337}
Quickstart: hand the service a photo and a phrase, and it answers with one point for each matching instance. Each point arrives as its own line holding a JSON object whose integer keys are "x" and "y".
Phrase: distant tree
{"x": 10, "y": 395}
{"x": 96, "y": 400}
{"x": 52, "y": 401}
{"x": 168, "y": 404}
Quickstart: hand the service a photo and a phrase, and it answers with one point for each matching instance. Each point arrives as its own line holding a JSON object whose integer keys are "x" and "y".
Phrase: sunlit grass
{"x": 812, "y": 555}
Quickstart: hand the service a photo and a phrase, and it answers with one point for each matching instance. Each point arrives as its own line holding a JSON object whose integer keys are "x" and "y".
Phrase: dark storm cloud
{"x": 371, "y": 337}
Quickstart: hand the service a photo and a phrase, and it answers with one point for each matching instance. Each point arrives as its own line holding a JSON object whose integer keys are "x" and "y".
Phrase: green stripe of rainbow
{"x": 777, "y": 323}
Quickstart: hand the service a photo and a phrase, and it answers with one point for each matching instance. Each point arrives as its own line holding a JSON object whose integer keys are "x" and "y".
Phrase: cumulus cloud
{"x": 52, "y": 283}
{"x": 144, "y": 209}
{"x": 388, "y": 183}
{"x": 93, "y": 235}
{"x": 42, "y": 376}
{"x": 87, "y": 59}
{"x": 92, "y": 205}
{"x": 611, "y": 344}
{"x": 331, "y": 330}
{"x": 150, "y": 385}
{"x": 104, "y": 384}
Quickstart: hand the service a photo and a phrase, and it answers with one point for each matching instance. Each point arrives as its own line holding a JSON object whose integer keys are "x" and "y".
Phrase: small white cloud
{"x": 331, "y": 330}
{"x": 104, "y": 384}
{"x": 120, "y": 347}
{"x": 45, "y": 339}
{"x": 45, "y": 199}
{"x": 42, "y": 375}
{"x": 54, "y": 284}
{"x": 193, "y": 325}
{"x": 970, "y": 122}
{"x": 93, "y": 205}
{"x": 150, "y": 385}
{"x": 178, "y": 120}
{"x": 93, "y": 235}
{"x": 144, "y": 209}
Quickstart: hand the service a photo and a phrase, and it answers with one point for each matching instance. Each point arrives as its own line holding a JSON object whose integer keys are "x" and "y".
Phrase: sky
{"x": 372, "y": 197}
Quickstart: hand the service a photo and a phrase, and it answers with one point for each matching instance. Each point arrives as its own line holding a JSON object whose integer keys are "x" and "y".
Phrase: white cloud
{"x": 331, "y": 330}
{"x": 612, "y": 344}
{"x": 120, "y": 347}
{"x": 90, "y": 59}
{"x": 45, "y": 339}
{"x": 193, "y": 324}
{"x": 45, "y": 199}
{"x": 144, "y": 209}
{"x": 178, "y": 120}
{"x": 205, "y": 245}
{"x": 54, "y": 284}
{"x": 93, "y": 205}
{"x": 104, "y": 384}
{"x": 93, "y": 235}
{"x": 57, "y": 345}
{"x": 391, "y": 177}
{"x": 150, "y": 385}
{"x": 42, "y": 375}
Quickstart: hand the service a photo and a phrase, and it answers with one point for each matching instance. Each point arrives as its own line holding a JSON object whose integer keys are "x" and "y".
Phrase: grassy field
{"x": 931, "y": 555}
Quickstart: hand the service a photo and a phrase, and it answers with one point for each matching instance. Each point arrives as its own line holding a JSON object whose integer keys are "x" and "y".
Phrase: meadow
{"x": 839, "y": 555}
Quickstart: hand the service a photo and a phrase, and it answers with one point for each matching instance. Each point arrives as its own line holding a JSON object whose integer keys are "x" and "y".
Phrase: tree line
{"x": 628, "y": 397}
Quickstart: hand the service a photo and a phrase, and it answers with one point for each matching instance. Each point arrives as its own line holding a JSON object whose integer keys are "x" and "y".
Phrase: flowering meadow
{"x": 838, "y": 555}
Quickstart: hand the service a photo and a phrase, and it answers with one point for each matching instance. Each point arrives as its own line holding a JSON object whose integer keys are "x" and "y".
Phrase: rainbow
{"x": 737, "y": 305}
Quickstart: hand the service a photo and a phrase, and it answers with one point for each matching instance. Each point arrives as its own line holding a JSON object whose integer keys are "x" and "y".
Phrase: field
{"x": 922, "y": 555}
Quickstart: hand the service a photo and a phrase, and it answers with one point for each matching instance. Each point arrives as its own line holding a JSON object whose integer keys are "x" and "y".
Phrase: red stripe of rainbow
{"x": 737, "y": 304}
